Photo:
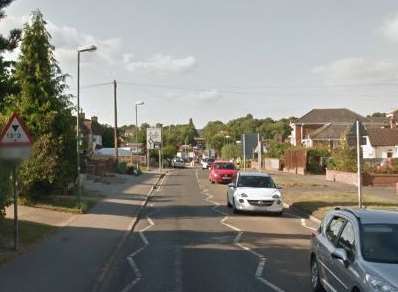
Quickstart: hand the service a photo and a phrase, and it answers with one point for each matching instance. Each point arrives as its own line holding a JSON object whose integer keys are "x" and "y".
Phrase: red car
{"x": 222, "y": 172}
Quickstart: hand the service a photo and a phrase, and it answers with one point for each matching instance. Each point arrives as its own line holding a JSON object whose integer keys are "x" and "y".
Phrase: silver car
{"x": 356, "y": 250}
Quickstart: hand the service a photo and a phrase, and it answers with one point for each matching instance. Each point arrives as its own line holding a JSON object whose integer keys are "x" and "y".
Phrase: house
{"x": 393, "y": 118}
{"x": 91, "y": 134}
{"x": 323, "y": 127}
{"x": 381, "y": 143}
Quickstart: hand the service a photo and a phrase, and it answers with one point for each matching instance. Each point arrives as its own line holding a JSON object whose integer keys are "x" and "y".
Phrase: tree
{"x": 46, "y": 110}
{"x": 9, "y": 43}
{"x": 231, "y": 151}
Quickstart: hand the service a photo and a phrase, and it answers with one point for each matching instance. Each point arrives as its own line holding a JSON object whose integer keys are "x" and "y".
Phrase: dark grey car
{"x": 356, "y": 250}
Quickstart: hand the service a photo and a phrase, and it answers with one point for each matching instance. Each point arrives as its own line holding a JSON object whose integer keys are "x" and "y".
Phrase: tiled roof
{"x": 330, "y": 115}
{"x": 383, "y": 137}
{"x": 330, "y": 132}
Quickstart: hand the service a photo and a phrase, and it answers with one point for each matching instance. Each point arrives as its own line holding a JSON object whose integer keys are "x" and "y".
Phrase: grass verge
{"x": 30, "y": 233}
{"x": 315, "y": 198}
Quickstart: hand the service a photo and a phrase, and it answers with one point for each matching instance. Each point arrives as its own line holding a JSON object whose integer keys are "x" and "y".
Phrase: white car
{"x": 206, "y": 162}
{"x": 254, "y": 191}
{"x": 177, "y": 162}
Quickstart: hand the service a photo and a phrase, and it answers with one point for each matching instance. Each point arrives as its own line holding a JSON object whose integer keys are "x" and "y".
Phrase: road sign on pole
{"x": 153, "y": 140}
{"x": 15, "y": 146}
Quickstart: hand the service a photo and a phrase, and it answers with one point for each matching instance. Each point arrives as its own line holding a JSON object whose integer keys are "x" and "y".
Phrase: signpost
{"x": 15, "y": 146}
{"x": 153, "y": 141}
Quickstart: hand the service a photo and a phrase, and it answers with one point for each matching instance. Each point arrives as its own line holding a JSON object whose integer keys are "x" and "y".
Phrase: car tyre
{"x": 229, "y": 205}
{"x": 315, "y": 280}
{"x": 234, "y": 209}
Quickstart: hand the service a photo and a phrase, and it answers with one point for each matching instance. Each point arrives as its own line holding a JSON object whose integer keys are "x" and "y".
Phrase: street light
{"x": 136, "y": 124}
{"x": 81, "y": 50}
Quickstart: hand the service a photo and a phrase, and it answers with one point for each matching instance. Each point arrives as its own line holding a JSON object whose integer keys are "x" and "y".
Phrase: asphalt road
{"x": 188, "y": 240}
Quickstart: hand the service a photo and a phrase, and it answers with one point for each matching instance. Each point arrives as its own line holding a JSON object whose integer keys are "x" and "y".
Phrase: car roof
{"x": 252, "y": 173}
{"x": 222, "y": 161}
{"x": 367, "y": 216}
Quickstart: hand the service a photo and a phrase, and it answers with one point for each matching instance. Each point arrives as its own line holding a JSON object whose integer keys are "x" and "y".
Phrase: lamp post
{"x": 79, "y": 51}
{"x": 138, "y": 103}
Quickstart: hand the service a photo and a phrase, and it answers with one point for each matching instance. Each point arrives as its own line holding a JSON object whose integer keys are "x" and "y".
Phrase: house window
{"x": 389, "y": 154}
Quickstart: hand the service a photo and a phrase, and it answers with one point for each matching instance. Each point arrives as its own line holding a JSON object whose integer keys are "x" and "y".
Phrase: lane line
{"x": 261, "y": 258}
{"x": 130, "y": 258}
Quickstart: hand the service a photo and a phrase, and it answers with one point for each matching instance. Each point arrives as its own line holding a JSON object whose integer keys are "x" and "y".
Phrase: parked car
{"x": 177, "y": 162}
{"x": 254, "y": 191}
{"x": 206, "y": 163}
{"x": 356, "y": 250}
{"x": 222, "y": 172}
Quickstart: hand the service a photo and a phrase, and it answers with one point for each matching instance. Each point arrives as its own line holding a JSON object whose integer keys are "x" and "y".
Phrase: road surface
{"x": 188, "y": 240}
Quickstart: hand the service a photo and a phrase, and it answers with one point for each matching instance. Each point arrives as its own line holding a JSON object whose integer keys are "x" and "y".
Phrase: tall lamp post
{"x": 79, "y": 51}
{"x": 138, "y": 103}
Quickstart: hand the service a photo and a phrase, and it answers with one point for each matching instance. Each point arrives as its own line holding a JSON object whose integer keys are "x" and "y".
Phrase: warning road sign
{"x": 15, "y": 140}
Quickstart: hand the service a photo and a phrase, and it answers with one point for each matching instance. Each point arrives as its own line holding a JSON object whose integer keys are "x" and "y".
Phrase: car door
{"x": 231, "y": 190}
{"x": 325, "y": 249}
{"x": 347, "y": 241}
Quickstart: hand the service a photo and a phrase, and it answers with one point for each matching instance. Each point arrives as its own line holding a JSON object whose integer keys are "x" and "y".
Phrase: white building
{"x": 381, "y": 143}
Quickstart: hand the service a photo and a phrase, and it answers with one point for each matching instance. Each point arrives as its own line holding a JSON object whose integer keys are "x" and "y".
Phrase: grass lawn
{"x": 317, "y": 197}
{"x": 29, "y": 234}
{"x": 64, "y": 203}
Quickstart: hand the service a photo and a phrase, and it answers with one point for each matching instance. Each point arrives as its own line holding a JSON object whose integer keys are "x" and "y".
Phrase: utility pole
{"x": 244, "y": 151}
{"x": 15, "y": 198}
{"x": 115, "y": 130}
{"x": 359, "y": 167}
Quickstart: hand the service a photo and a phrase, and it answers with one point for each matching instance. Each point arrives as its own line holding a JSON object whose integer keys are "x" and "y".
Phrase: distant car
{"x": 356, "y": 250}
{"x": 177, "y": 162}
{"x": 206, "y": 163}
{"x": 254, "y": 191}
{"x": 222, "y": 172}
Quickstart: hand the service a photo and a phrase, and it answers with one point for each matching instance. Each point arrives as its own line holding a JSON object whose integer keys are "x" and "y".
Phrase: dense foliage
{"x": 275, "y": 149}
{"x": 343, "y": 159}
{"x": 231, "y": 151}
{"x": 7, "y": 87}
{"x": 317, "y": 159}
{"x": 47, "y": 112}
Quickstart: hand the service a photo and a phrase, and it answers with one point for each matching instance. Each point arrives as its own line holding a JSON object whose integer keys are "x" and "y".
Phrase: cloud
{"x": 390, "y": 28}
{"x": 358, "y": 69}
{"x": 210, "y": 95}
{"x": 163, "y": 64}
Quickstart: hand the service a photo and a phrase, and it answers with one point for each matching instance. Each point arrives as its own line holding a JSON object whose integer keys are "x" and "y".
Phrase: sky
{"x": 218, "y": 60}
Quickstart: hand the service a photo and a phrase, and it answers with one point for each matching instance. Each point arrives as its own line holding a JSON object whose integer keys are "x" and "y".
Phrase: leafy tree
{"x": 231, "y": 151}
{"x": 47, "y": 111}
{"x": 343, "y": 159}
{"x": 9, "y": 43}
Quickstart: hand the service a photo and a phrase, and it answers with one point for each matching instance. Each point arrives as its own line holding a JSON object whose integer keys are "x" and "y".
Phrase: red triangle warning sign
{"x": 15, "y": 133}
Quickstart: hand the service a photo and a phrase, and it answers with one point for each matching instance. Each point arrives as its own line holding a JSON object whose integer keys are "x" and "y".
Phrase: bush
{"x": 343, "y": 159}
{"x": 276, "y": 150}
{"x": 230, "y": 151}
{"x": 5, "y": 199}
{"x": 122, "y": 167}
{"x": 316, "y": 159}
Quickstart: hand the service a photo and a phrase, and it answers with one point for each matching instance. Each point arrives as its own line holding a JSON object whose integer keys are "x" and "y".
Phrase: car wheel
{"x": 234, "y": 209}
{"x": 315, "y": 280}
{"x": 229, "y": 205}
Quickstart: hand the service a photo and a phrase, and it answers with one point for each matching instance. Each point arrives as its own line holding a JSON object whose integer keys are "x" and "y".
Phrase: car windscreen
{"x": 255, "y": 182}
{"x": 379, "y": 242}
{"x": 224, "y": 166}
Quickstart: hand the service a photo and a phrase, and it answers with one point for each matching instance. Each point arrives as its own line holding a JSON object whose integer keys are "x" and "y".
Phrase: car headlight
{"x": 216, "y": 174}
{"x": 379, "y": 285}
{"x": 243, "y": 195}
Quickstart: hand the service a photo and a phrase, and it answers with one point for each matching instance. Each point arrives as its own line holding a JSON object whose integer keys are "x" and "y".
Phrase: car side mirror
{"x": 231, "y": 185}
{"x": 341, "y": 254}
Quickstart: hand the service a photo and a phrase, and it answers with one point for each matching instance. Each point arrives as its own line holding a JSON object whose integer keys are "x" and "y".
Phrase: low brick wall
{"x": 380, "y": 180}
{"x": 272, "y": 163}
{"x": 341, "y": 176}
{"x": 298, "y": 170}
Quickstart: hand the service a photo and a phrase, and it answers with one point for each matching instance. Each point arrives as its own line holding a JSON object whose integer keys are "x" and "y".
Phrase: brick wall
{"x": 341, "y": 176}
{"x": 380, "y": 180}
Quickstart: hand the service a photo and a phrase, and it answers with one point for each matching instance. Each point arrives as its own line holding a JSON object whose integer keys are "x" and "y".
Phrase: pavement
{"x": 74, "y": 258}
{"x": 188, "y": 240}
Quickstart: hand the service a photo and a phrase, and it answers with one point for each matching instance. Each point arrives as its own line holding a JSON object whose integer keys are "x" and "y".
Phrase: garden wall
{"x": 341, "y": 176}
{"x": 272, "y": 164}
{"x": 380, "y": 179}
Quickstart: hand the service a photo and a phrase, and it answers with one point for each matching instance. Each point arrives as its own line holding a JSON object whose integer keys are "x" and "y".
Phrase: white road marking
{"x": 130, "y": 258}
{"x": 236, "y": 241}
{"x": 304, "y": 224}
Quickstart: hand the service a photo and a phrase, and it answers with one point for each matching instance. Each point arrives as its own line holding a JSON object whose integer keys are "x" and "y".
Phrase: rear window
{"x": 224, "y": 166}
{"x": 379, "y": 243}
